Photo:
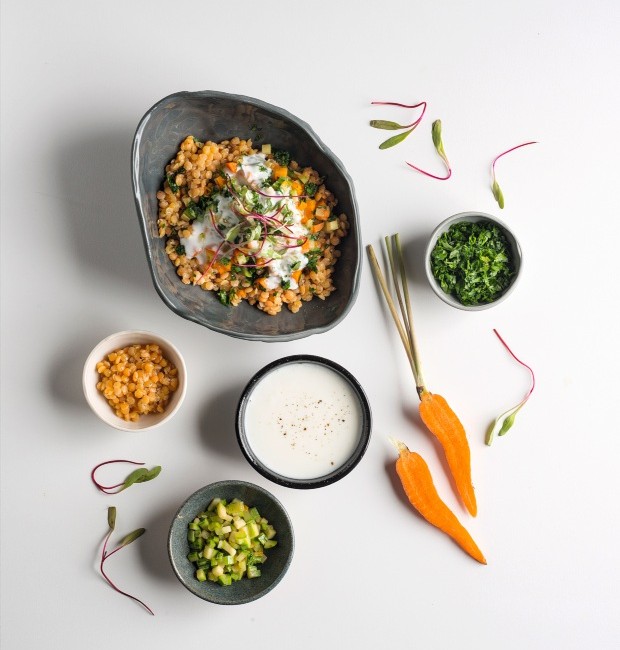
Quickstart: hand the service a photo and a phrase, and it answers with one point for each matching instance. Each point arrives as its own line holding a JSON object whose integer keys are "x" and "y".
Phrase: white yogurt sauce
{"x": 253, "y": 171}
{"x": 303, "y": 420}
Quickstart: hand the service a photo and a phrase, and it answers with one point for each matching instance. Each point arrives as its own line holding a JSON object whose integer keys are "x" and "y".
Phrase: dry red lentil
{"x": 137, "y": 380}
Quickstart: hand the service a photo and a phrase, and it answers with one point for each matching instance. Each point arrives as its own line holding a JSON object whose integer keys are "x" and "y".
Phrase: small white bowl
{"x": 473, "y": 217}
{"x": 99, "y": 404}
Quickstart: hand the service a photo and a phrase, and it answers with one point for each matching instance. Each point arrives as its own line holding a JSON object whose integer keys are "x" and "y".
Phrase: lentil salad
{"x": 249, "y": 225}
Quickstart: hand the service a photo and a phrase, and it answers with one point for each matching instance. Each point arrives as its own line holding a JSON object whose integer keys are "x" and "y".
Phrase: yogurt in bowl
{"x": 303, "y": 421}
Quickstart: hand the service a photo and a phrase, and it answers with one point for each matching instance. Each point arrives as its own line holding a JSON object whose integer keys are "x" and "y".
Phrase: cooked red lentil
{"x": 249, "y": 225}
{"x": 137, "y": 380}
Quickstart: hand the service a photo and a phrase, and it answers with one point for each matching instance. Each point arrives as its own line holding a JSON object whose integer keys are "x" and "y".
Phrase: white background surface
{"x": 76, "y": 79}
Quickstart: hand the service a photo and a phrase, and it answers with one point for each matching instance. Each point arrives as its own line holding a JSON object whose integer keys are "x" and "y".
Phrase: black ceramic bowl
{"x": 278, "y": 558}
{"x": 304, "y": 483}
{"x": 217, "y": 116}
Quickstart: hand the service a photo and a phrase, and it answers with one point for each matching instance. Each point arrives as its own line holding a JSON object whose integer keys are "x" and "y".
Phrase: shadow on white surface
{"x": 63, "y": 377}
{"x": 217, "y": 421}
{"x": 94, "y": 177}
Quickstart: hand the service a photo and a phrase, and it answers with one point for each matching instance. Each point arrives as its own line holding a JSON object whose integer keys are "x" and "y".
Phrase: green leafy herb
{"x": 310, "y": 189}
{"x": 141, "y": 475}
{"x": 180, "y": 249}
{"x": 506, "y": 420}
{"x": 105, "y": 554}
{"x": 386, "y": 124}
{"x": 283, "y": 158}
{"x": 473, "y": 262}
{"x": 171, "y": 182}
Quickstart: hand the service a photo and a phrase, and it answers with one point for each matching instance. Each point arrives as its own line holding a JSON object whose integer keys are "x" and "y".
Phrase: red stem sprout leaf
{"x": 507, "y": 418}
{"x": 395, "y": 126}
{"x": 437, "y": 141}
{"x": 140, "y": 475}
{"x": 105, "y": 554}
{"x": 495, "y": 188}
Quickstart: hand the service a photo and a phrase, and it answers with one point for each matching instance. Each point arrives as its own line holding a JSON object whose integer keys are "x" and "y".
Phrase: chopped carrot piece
{"x": 305, "y": 247}
{"x": 297, "y": 188}
{"x": 317, "y": 227}
{"x": 310, "y": 205}
{"x": 280, "y": 172}
{"x": 262, "y": 282}
{"x": 219, "y": 181}
{"x": 296, "y": 275}
{"x": 232, "y": 166}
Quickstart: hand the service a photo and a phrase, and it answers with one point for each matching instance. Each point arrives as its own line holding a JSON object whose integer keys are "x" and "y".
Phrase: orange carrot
{"x": 232, "y": 166}
{"x": 434, "y": 410}
{"x": 422, "y": 494}
{"x": 443, "y": 422}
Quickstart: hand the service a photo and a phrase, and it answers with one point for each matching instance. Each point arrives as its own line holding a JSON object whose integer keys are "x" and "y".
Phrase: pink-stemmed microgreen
{"x": 395, "y": 126}
{"x": 495, "y": 188}
{"x": 507, "y": 419}
{"x": 437, "y": 141}
{"x": 141, "y": 475}
{"x": 105, "y": 554}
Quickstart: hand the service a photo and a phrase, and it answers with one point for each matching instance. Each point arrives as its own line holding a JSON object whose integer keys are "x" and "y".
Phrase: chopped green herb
{"x": 283, "y": 158}
{"x": 180, "y": 249}
{"x": 285, "y": 284}
{"x": 313, "y": 258}
{"x": 310, "y": 189}
{"x": 171, "y": 182}
{"x": 473, "y": 262}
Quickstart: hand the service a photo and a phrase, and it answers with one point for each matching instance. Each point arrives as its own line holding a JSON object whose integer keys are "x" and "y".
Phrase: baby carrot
{"x": 435, "y": 412}
{"x": 422, "y": 494}
{"x": 443, "y": 422}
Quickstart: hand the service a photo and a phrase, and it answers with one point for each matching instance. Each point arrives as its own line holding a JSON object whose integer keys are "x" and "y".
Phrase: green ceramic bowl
{"x": 278, "y": 558}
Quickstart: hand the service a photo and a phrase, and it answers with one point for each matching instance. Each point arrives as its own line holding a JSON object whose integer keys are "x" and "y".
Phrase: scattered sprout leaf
{"x": 395, "y": 139}
{"x": 386, "y": 124}
{"x": 498, "y": 194}
{"x": 111, "y": 517}
{"x": 132, "y": 537}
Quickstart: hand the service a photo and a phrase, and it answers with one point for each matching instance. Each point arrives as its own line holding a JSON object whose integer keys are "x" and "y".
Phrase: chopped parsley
{"x": 473, "y": 262}
{"x": 283, "y": 158}
{"x": 310, "y": 189}
{"x": 180, "y": 249}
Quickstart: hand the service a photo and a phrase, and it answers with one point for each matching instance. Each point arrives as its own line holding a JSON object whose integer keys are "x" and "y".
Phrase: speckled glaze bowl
{"x": 278, "y": 558}
{"x": 473, "y": 217}
{"x": 304, "y": 483}
{"x": 216, "y": 116}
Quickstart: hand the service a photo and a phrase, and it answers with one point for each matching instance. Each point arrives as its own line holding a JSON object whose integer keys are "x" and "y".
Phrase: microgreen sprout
{"x": 506, "y": 419}
{"x": 436, "y": 134}
{"x": 395, "y": 126}
{"x": 105, "y": 554}
{"x": 140, "y": 475}
{"x": 495, "y": 188}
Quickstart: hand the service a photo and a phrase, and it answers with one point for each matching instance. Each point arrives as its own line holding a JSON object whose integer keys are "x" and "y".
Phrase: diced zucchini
{"x": 266, "y": 149}
{"x": 253, "y": 572}
{"x": 332, "y": 225}
{"x": 227, "y": 542}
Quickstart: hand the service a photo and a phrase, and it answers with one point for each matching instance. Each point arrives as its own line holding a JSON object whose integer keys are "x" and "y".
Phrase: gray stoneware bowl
{"x": 278, "y": 558}
{"x": 217, "y": 116}
{"x": 474, "y": 217}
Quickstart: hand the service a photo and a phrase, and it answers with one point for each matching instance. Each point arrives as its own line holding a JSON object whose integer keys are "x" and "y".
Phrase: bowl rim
{"x": 231, "y": 483}
{"x": 94, "y": 397}
{"x": 281, "y": 112}
{"x": 321, "y": 481}
{"x": 472, "y": 216}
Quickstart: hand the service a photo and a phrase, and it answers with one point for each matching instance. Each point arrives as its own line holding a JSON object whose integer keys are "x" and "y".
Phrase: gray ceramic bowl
{"x": 304, "y": 483}
{"x": 474, "y": 217}
{"x": 216, "y": 116}
{"x": 278, "y": 558}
